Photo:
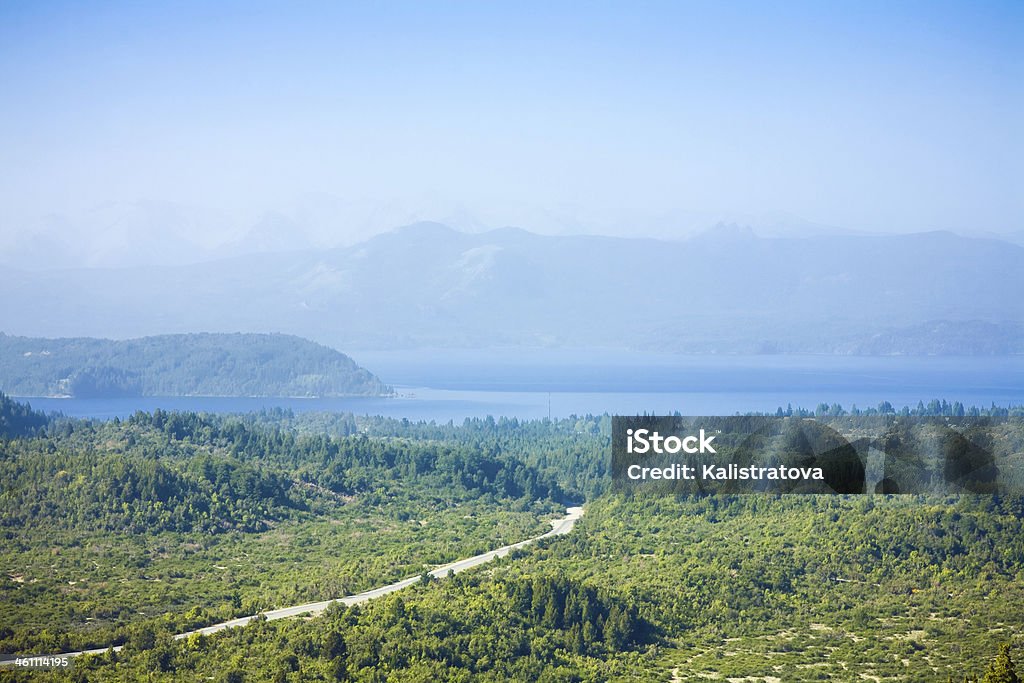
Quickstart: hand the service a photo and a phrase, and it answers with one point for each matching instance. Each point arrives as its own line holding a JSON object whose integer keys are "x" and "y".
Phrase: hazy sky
{"x": 875, "y": 116}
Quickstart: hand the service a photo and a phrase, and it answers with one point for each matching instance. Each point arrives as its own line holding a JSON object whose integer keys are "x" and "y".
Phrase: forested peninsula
{"x": 181, "y": 365}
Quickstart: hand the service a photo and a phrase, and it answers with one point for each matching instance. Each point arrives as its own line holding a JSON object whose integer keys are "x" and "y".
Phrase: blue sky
{"x": 875, "y": 116}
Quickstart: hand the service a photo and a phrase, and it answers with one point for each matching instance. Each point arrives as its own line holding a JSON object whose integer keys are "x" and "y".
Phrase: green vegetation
{"x": 180, "y": 365}
{"x": 18, "y": 419}
{"x": 186, "y": 520}
{"x": 129, "y": 532}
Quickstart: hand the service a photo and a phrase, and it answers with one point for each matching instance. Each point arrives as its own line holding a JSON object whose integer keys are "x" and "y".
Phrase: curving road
{"x": 558, "y": 528}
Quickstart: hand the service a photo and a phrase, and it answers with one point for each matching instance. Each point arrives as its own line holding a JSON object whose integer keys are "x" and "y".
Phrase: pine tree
{"x": 1002, "y": 670}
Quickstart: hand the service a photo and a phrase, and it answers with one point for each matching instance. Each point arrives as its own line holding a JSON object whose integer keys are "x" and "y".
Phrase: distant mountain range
{"x": 180, "y": 365}
{"x": 723, "y": 291}
{"x": 117, "y": 234}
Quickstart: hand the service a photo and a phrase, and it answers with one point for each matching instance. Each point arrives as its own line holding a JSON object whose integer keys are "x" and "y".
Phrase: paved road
{"x": 558, "y": 527}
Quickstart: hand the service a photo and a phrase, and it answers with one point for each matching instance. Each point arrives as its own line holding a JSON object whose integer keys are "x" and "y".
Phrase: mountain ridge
{"x": 725, "y": 291}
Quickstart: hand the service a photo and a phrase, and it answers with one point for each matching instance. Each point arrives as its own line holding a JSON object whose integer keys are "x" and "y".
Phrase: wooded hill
{"x": 180, "y": 365}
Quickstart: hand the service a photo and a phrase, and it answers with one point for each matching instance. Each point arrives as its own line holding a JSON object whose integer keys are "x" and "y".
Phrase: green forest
{"x": 180, "y": 365}
{"x": 127, "y": 532}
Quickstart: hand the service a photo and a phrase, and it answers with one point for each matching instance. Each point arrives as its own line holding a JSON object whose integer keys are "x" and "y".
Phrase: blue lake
{"x": 453, "y": 385}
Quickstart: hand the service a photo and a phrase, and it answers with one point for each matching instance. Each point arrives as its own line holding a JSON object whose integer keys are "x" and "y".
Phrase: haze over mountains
{"x": 116, "y": 234}
{"x": 723, "y": 291}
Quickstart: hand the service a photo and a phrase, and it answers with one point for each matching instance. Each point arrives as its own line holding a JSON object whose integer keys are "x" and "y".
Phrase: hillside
{"x": 129, "y": 532}
{"x": 186, "y": 519}
{"x": 180, "y": 365}
{"x": 426, "y": 285}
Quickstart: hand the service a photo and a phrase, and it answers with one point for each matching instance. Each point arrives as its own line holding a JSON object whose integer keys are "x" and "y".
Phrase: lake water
{"x": 450, "y": 385}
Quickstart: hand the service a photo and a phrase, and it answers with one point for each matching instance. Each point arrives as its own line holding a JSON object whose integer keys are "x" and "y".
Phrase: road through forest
{"x": 558, "y": 528}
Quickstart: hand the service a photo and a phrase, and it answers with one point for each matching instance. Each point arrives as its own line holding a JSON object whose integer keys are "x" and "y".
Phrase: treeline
{"x": 360, "y": 462}
{"x": 180, "y": 365}
{"x": 574, "y": 452}
{"x": 934, "y": 408}
{"x": 18, "y": 419}
{"x": 169, "y": 471}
